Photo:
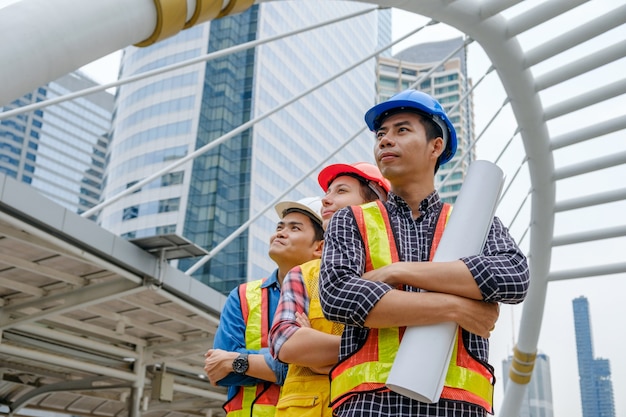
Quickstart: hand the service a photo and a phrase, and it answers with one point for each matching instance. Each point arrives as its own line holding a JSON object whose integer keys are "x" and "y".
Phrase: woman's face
{"x": 342, "y": 192}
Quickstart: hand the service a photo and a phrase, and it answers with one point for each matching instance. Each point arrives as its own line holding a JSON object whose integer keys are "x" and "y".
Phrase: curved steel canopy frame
{"x": 484, "y": 22}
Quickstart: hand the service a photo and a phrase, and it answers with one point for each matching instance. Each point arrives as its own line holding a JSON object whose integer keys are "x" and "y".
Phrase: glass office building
{"x": 448, "y": 84}
{"x": 60, "y": 149}
{"x": 164, "y": 118}
{"x": 596, "y": 388}
{"x": 538, "y": 399}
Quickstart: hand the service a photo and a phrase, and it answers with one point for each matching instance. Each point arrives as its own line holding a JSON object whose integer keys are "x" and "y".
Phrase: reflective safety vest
{"x": 257, "y": 400}
{"x": 367, "y": 369}
{"x": 305, "y": 393}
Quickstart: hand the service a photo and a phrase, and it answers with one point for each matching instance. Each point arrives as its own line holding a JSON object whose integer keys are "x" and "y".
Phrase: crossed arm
{"x": 465, "y": 291}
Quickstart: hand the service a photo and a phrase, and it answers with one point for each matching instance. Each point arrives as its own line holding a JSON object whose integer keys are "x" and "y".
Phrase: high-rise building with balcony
{"x": 448, "y": 83}
{"x": 596, "y": 388}
{"x": 538, "y": 399}
{"x": 164, "y": 118}
{"x": 60, "y": 149}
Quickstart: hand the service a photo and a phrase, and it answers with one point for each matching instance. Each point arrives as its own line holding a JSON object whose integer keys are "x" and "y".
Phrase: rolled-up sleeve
{"x": 501, "y": 270}
{"x": 345, "y": 297}
{"x": 293, "y": 299}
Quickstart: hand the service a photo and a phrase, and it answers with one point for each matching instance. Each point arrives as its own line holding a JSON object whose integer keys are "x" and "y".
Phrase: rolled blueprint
{"x": 421, "y": 364}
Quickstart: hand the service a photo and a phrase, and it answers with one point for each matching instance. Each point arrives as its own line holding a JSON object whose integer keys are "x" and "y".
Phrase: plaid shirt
{"x": 293, "y": 298}
{"x": 500, "y": 271}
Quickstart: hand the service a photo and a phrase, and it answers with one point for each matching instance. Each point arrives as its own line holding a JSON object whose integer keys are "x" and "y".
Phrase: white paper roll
{"x": 421, "y": 364}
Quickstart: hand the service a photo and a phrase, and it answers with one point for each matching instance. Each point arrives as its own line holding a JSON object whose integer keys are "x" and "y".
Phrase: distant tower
{"x": 596, "y": 389}
{"x": 538, "y": 399}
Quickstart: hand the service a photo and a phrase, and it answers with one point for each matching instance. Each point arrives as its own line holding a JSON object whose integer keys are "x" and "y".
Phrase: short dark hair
{"x": 433, "y": 130}
{"x": 317, "y": 227}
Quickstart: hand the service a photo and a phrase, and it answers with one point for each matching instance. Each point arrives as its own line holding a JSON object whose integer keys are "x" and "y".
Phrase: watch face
{"x": 240, "y": 365}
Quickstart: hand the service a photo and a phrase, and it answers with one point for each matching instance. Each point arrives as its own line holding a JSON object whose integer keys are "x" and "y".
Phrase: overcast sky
{"x": 605, "y": 294}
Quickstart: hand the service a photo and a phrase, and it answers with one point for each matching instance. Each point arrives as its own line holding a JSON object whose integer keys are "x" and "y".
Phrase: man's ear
{"x": 438, "y": 147}
{"x": 319, "y": 248}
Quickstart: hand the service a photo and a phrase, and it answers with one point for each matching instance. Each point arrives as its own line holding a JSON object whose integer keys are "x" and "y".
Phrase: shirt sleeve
{"x": 293, "y": 299}
{"x": 501, "y": 270}
{"x": 230, "y": 336}
{"x": 345, "y": 297}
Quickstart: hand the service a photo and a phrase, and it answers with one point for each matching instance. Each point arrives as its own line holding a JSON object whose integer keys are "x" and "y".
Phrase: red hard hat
{"x": 365, "y": 170}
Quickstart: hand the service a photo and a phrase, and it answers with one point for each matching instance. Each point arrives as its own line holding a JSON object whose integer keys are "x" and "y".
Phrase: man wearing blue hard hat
{"x": 375, "y": 266}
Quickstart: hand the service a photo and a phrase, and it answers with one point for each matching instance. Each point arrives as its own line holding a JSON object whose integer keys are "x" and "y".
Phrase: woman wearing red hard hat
{"x": 300, "y": 335}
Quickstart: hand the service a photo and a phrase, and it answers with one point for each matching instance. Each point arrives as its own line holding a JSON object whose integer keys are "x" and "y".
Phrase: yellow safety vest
{"x": 305, "y": 393}
{"x": 367, "y": 369}
{"x": 257, "y": 400}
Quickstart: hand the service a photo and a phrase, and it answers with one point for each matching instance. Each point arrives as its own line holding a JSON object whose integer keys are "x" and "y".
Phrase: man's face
{"x": 402, "y": 150}
{"x": 293, "y": 243}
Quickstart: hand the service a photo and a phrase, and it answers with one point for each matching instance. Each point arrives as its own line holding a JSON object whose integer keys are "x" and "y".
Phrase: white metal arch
{"x": 498, "y": 36}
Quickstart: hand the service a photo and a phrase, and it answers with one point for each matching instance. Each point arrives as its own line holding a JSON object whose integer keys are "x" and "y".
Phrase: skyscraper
{"x": 60, "y": 150}
{"x": 538, "y": 399}
{"x": 447, "y": 84}
{"x": 596, "y": 389}
{"x": 164, "y": 118}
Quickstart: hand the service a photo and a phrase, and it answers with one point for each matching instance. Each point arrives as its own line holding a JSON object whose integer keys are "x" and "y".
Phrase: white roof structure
{"x": 89, "y": 320}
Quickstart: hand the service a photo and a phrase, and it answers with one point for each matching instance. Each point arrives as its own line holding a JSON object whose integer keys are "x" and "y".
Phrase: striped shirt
{"x": 501, "y": 273}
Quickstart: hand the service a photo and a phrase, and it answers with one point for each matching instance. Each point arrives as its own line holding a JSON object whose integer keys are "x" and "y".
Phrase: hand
{"x": 218, "y": 364}
{"x": 388, "y": 274}
{"x": 302, "y": 320}
{"x": 478, "y": 317}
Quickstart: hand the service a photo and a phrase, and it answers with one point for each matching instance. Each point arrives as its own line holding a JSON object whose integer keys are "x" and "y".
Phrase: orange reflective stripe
{"x": 471, "y": 381}
{"x": 444, "y": 215}
{"x": 358, "y": 216}
{"x": 375, "y": 360}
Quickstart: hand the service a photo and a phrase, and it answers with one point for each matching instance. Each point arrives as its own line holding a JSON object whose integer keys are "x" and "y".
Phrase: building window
{"x": 130, "y": 213}
{"x": 166, "y": 230}
{"x": 388, "y": 82}
{"x": 172, "y": 178}
{"x": 171, "y": 204}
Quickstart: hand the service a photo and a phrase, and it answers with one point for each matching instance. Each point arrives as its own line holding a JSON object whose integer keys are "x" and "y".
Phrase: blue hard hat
{"x": 422, "y": 103}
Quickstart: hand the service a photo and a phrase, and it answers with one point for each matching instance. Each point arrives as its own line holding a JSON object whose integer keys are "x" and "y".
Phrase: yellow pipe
{"x": 171, "y": 16}
{"x": 236, "y": 6}
{"x": 205, "y": 10}
{"x": 522, "y": 366}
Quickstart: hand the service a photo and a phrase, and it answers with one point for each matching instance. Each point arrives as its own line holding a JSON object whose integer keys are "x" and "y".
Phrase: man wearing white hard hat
{"x": 240, "y": 358}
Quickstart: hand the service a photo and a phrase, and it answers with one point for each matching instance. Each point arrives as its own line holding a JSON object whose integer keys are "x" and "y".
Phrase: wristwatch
{"x": 240, "y": 364}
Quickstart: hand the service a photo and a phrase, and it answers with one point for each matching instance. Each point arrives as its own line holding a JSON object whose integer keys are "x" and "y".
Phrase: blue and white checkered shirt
{"x": 501, "y": 273}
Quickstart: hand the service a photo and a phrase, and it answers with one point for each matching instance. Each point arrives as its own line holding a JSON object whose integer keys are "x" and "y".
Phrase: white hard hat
{"x": 311, "y": 206}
